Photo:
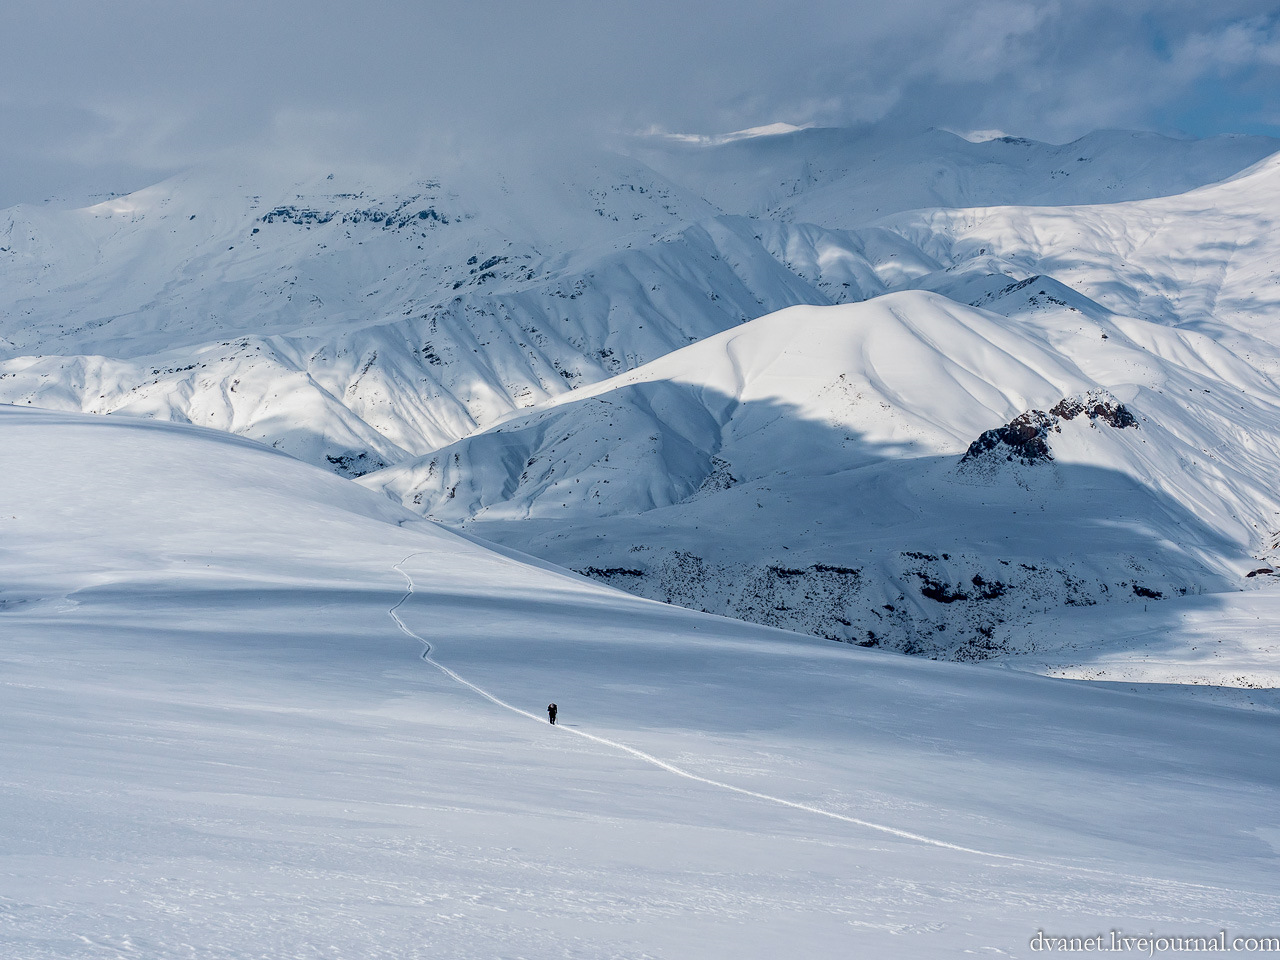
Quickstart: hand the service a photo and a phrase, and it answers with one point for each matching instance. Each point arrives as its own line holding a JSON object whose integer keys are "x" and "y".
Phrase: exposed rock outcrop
{"x": 1026, "y": 438}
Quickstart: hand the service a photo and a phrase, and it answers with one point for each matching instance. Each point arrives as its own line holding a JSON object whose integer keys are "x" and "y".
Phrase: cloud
{"x": 1248, "y": 44}
{"x": 152, "y": 85}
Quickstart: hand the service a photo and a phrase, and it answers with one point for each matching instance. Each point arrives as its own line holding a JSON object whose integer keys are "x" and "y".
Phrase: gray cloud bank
{"x": 118, "y": 92}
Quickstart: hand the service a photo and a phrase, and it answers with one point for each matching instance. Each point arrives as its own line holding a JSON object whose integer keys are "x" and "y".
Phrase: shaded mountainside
{"x": 796, "y": 472}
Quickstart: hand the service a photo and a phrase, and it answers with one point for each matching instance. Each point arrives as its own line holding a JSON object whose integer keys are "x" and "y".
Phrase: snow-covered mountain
{"x": 252, "y": 708}
{"x": 586, "y": 359}
{"x": 1206, "y": 260}
{"x": 839, "y": 470}
{"x": 334, "y": 323}
{"x": 221, "y": 738}
{"x": 845, "y": 178}
{"x": 343, "y": 333}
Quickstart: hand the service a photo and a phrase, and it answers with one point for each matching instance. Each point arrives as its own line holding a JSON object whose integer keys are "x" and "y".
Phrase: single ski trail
{"x": 663, "y": 764}
{"x": 1047, "y": 865}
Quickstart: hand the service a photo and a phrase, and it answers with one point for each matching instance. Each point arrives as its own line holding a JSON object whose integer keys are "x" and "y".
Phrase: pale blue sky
{"x": 111, "y": 95}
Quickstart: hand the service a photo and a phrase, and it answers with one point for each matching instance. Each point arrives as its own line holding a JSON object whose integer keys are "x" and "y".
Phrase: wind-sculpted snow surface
{"x": 843, "y": 471}
{"x": 218, "y": 742}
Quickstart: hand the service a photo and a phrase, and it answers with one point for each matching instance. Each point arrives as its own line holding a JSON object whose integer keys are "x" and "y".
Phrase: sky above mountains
{"x": 111, "y": 96}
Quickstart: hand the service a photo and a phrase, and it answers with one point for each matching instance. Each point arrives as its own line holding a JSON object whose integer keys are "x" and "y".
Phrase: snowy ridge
{"x": 847, "y": 177}
{"x": 1205, "y": 260}
{"x": 364, "y": 322}
{"x": 442, "y": 365}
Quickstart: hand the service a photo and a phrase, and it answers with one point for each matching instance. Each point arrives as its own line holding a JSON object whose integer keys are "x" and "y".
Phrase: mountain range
{"x": 816, "y": 379}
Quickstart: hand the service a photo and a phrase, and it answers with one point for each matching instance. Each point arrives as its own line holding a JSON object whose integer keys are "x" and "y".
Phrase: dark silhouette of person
{"x": 551, "y": 711}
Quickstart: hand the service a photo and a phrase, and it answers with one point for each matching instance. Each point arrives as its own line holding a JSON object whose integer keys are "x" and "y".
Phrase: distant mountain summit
{"x": 845, "y": 178}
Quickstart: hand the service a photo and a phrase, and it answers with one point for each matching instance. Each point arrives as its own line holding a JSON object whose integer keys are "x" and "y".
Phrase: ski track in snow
{"x": 1056, "y": 867}
{"x": 672, "y": 768}
{"x": 1053, "y": 866}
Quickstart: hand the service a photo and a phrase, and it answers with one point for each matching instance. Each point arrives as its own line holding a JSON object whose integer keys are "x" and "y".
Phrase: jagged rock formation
{"x": 1024, "y": 438}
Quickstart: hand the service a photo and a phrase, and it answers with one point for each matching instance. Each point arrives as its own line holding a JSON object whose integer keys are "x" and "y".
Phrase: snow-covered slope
{"x": 847, "y": 177}
{"x": 1217, "y": 647}
{"x": 216, "y": 253}
{"x": 1207, "y": 260}
{"x": 220, "y": 740}
{"x": 340, "y": 324}
{"x": 813, "y": 469}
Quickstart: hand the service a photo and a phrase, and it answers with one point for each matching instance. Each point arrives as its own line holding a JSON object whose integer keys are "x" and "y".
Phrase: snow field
{"x": 219, "y": 743}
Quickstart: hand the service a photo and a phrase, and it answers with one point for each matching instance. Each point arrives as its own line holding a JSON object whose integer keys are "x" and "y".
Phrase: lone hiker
{"x": 551, "y": 711}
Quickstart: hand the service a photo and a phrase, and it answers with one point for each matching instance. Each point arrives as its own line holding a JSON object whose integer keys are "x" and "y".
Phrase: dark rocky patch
{"x": 988, "y": 589}
{"x": 1097, "y": 407}
{"x": 1026, "y": 438}
{"x": 396, "y": 219}
{"x": 609, "y": 573}
{"x": 355, "y": 465}
{"x": 938, "y": 591}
